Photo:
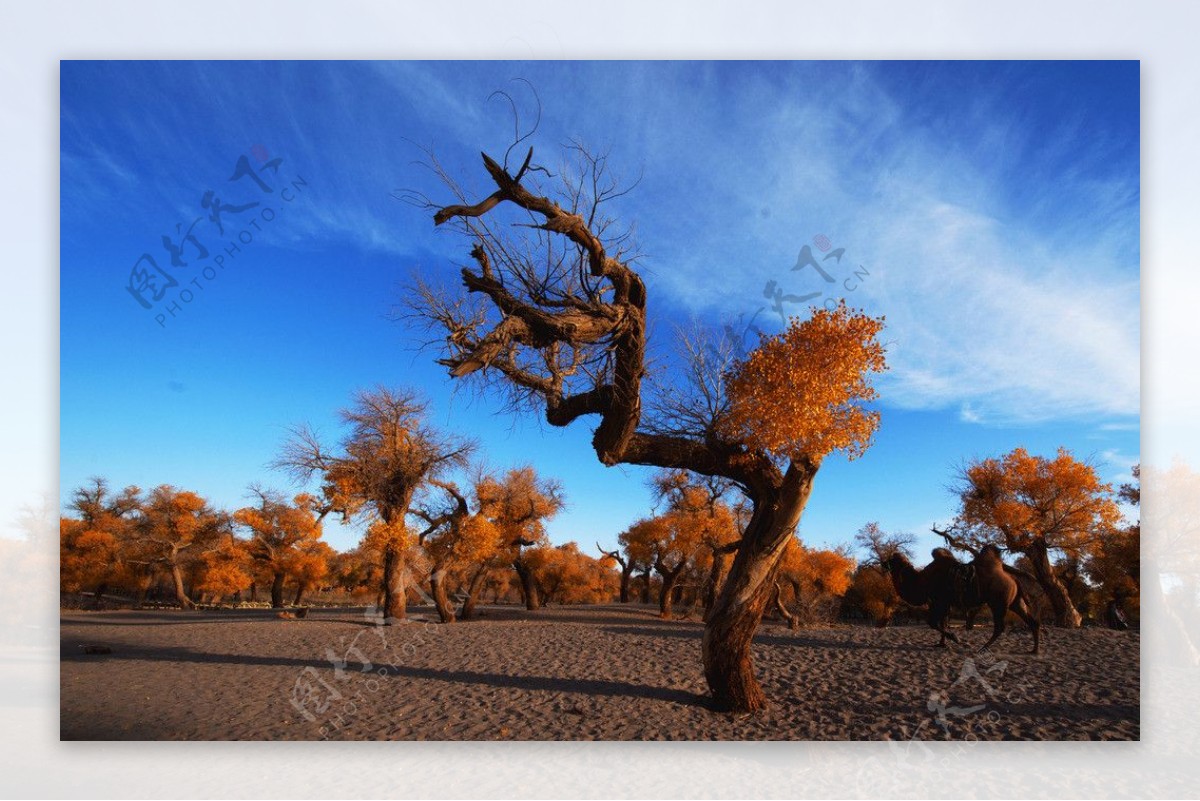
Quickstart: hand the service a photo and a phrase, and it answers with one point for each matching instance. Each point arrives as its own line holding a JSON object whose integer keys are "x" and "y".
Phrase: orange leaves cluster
{"x": 472, "y": 540}
{"x": 640, "y": 540}
{"x": 88, "y": 554}
{"x": 225, "y": 569}
{"x": 519, "y": 503}
{"x": 799, "y": 394}
{"x": 568, "y": 576}
{"x": 173, "y": 518}
{"x": 874, "y": 594}
{"x": 1022, "y": 497}
{"x": 816, "y": 570}
{"x": 383, "y": 536}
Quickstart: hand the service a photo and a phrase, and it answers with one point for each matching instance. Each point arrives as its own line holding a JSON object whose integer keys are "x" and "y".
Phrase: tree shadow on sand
{"x": 780, "y": 640}
{"x": 72, "y": 652}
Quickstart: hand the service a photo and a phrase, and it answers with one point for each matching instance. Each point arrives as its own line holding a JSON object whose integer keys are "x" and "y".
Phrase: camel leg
{"x": 997, "y": 624}
{"x": 971, "y": 613}
{"x": 931, "y": 619}
{"x": 1022, "y": 609}
{"x": 938, "y": 615}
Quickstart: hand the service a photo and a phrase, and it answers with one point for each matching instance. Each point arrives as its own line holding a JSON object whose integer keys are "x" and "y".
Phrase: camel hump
{"x": 943, "y": 553}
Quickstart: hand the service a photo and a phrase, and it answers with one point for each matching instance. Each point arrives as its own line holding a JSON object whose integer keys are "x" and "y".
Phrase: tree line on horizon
{"x": 457, "y": 547}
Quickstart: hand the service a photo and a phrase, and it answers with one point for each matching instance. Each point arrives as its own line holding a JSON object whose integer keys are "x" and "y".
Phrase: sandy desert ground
{"x": 574, "y": 673}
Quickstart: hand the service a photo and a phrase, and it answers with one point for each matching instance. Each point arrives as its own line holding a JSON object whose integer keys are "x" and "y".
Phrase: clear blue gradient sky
{"x": 990, "y": 211}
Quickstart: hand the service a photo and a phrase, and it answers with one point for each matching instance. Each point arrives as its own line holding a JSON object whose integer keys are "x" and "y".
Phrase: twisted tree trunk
{"x": 473, "y": 590}
{"x": 742, "y": 600}
{"x": 181, "y": 595}
{"x": 441, "y": 600}
{"x": 1065, "y": 614}
{"x": 666, "y": 595}
{"x": 608, "y": 318}
{"x": 627, "y": 567}
{"x": 277, "y": 590}
{"x": 529, "y": 587}
{"x": 793, "y": 621}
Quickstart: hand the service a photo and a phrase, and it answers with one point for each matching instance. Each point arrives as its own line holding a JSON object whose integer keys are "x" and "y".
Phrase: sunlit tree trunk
{"x": 395, "y": 601}
{"x": 1065, "y": 614}
{"x": 441, "y": 600}
{"x": 529, "y": 588}
{"x": 666, "y": 595}
{"x": 474, "y": 588}
{"x": 747, "y": 590}
{"x": 181, "y": 595}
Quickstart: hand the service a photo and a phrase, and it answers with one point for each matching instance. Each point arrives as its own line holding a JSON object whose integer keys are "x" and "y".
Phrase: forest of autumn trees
{"x": 552, "y": 318}
{"x": 489, "y": 544}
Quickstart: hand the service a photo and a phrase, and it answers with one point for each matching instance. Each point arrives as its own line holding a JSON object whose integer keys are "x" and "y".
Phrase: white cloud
{"x": 1010, "y": 311}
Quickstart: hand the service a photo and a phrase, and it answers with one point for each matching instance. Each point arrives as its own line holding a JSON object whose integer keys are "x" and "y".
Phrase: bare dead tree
{"x": 882, "y": 545}
{"x": 554, "y": 317}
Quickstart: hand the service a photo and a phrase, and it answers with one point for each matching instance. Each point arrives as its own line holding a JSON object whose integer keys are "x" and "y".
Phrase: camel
{"x": 947, "y": 583}
{"x": 1000, "y": 587}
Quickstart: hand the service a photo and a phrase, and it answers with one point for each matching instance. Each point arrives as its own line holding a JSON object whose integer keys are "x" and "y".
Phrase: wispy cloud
{"x": 1010, "y": 287}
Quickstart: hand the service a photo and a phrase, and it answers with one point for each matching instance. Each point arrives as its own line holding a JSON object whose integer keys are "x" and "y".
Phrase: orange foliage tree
{"x": 456, "y": 540}
{"x": 1035, "y": 505}
{"x": 696, "y": 525}
{"x": 566, "y": 575}
{"x": 225, "y": 569}
{"x": 697, "y": 500}
{"x": 309, "y": 567}
{"x": 637, "y": 544}
{"x": 278, "y": 534}
{"x": 519, "y": 504}
{"x": 872, "y": 594}
{"x": 871, "y": 591}
{"x": 815, "y": 579}
{"x": 389, "y": 451}
{"x": 1115, "y": 563}
{"x": 174, "y": 530}
{"x": 92, "y": 547}
{"x": 562, "y": 326}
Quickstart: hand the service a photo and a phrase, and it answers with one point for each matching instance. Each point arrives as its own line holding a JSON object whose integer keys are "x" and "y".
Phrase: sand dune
{"x": 574, "y": 673}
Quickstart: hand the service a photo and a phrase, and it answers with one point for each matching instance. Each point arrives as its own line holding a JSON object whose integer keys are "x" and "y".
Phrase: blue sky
{"x": 989, "y": 210}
